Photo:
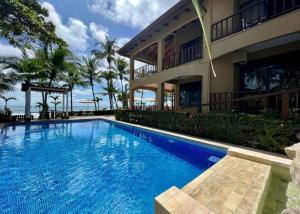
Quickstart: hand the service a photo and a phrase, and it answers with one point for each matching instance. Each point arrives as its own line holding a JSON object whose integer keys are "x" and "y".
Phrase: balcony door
{"x": 190, "y": 94}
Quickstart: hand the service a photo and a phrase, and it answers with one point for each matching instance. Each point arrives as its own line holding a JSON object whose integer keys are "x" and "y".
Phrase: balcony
{"x": 146, "y": 70}
{"x": 184, "y": 56}
{"x": 252, "y": 15}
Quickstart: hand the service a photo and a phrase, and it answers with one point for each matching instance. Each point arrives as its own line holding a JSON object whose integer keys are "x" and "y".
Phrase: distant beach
{"x": 20, "y": 109}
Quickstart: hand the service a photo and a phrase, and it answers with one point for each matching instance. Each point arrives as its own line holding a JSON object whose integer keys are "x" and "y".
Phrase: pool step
{"x": 175, "y": 200}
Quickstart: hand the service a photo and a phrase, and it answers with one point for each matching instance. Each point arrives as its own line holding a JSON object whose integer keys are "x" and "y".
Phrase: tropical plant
{"x": 110, "y": 90}
{"x": 123, "y": 97}
{"x": 89, "y": 71}
{"x": 39, "y": 105}
{"x": 55, "y": 102}
{"x": 107, "y": 50}
{"x": 6, "y": 99}
{"x": 7, "y": 81}
{"x": 141, "y": 92}
{"x": 97, "y": 100}
{"x": 73, "y": 78}
{"x": 122, "y": 73}
{"x": 27, "y": 69}
{"x": 55, "y": 65}
{"x": 23, "y": 22}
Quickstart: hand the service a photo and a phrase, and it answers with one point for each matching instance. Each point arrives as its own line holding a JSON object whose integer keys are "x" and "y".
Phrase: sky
{"x": 84, "y": 23}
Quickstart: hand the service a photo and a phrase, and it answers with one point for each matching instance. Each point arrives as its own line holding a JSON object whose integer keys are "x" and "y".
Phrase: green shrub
{"x": 240, "y": 129}
{"x": 103, "y": 112}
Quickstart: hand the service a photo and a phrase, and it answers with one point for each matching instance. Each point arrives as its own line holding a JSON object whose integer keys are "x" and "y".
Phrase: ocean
{"x": 20, "y": 109}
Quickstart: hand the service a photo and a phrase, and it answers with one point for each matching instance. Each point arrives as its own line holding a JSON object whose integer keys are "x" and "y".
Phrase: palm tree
{"x": 89, "y": 71}
{"x": 73, "y": 78}
{"x": 39, "y": 105}
{"x": 123, "y": 97}
{"x": 107, "y": 50}
{"x": 141, "y": 91}
{"x": 56, "y": 63}
{"x": 97, "y": 100}
{"x": 6, "y": 99}
{"x": 25, "y": 69}
{"x": 7, "y": 81}
{"x": 55, "y": 102}
{"x": 110, "y": 90}
{"x": 122, "y": 72}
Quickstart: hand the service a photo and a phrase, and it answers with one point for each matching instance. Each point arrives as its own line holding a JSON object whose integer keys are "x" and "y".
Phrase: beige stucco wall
{"x": 222, "y": 9}
{"x": 187, "y": 34}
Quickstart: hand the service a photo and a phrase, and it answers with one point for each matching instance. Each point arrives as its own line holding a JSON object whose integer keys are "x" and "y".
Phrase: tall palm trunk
{"x": 109, "y": 96}
{"x": 94, "y": 98}
{"x": 122, "y": 93}
{"x": 112, "y": 94}
{"x": 142, "y": 96}
{"x": 71, "y": 99}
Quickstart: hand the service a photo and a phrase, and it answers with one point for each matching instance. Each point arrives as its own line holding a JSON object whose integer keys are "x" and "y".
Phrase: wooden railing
{"x": 145, "y": 71}
{"x": 183, "y": 56}
{"x": 255, "y": 102}
{"x": 252, "y": 15}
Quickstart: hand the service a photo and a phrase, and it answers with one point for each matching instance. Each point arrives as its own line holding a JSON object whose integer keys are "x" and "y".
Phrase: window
{"x": 190, "y": 94}
{"x": 269, "y": 73}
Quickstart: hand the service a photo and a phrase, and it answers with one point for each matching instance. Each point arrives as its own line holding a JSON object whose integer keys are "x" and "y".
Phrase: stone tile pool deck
{"x": 239, "y": 183}
{"x": 234, "y": 185}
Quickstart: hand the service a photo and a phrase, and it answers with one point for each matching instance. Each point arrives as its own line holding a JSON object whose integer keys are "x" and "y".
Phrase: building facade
{"x": 255, "y": 47}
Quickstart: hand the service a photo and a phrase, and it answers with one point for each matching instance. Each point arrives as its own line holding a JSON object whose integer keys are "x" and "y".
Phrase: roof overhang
{"x": 39, "y": 88}
{"x": 154, "y": 26}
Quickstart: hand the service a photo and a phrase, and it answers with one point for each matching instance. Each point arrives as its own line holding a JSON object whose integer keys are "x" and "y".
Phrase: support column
{"x": 131, "y": 68}
{"x": 27, "y": 104}
{"x": 67, "y": 105}
{"x": 160, "y": 54}
{"x": 160, "y": 96}
{"x": 131, "y": 97}
{"x": 63, "y": 105}
{"x": 205, "y": 92}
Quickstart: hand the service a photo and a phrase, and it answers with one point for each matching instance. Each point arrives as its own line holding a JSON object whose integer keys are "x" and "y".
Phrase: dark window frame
{"x": 193, "y": 93}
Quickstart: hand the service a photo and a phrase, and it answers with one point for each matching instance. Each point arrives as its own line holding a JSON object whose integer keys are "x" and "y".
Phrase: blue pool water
{"x": 93, "y": 167}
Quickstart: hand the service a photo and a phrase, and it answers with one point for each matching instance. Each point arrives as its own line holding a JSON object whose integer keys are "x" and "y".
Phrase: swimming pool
{"x": 93, "y": 167}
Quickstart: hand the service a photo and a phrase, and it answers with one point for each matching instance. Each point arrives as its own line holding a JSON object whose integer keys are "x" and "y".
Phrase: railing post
{"x": 131, "y": 70}
{"x": 160, "y": 54}
{"x": 285, "y": 105}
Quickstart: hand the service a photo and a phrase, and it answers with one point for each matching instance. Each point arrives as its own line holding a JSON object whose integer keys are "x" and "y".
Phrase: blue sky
{"x": 83, "y": 23}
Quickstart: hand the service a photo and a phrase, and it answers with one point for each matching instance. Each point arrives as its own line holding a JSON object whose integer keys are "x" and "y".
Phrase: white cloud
{"x": 122, "y": 41}
{"x": 98, "y": 32}
{"x": 75, "y": 33}
{"x": 135, "y": 13}
{"x": 80, "y": 92}
{"x": 9, "y": 51}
